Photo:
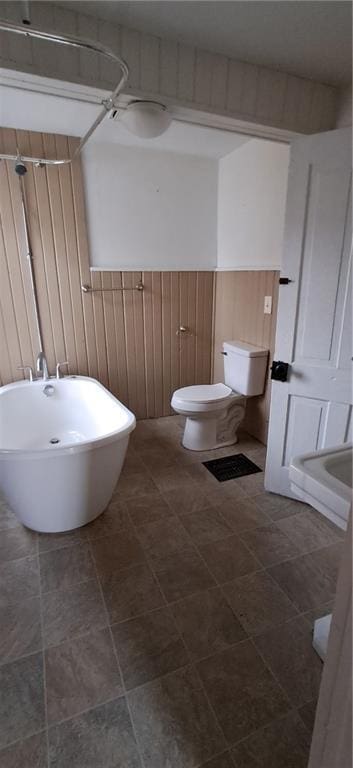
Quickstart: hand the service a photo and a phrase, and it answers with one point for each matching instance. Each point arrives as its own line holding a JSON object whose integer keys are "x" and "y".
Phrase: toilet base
{"x": 207, "y": 433}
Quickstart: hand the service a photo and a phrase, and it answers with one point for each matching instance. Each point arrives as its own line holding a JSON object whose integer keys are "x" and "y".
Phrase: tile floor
{"x": 174, "y": 631}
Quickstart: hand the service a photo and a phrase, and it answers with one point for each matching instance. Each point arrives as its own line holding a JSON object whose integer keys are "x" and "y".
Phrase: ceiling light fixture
{"x": 146, "y": 119}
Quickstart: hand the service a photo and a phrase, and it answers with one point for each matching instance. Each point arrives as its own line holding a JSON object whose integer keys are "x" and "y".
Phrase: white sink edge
{"x": 313, "y": 483}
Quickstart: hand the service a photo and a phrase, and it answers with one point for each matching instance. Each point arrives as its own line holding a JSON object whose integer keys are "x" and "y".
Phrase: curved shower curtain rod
{"x": 74, "y": 42}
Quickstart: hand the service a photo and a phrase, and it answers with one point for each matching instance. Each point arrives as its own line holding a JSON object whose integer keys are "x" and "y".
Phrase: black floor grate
{"x": 230, "y": 467}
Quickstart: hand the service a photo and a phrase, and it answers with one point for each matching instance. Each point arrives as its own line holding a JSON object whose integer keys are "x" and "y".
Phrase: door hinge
{"x": 285, "y": 280}
{"x": 279, "y": 370}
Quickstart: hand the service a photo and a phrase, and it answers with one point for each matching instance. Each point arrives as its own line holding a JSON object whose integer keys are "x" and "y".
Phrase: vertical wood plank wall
{"x": 239, "y": 314}
{"x": 126, "y": 340}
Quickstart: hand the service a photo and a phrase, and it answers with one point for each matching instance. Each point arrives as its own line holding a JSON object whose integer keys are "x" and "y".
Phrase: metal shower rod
{"x": 73, "y": 42}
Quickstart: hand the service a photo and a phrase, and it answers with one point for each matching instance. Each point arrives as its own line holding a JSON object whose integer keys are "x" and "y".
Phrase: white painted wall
{"x": 149, "y": 209}
{"x": 252, "y": 186}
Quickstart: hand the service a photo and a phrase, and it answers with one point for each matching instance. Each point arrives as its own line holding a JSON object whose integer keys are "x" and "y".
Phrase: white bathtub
{"x": 62, "y": 485}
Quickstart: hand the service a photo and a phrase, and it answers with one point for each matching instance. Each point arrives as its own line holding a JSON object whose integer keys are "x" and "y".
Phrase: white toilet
{"x": 214, "y": 411}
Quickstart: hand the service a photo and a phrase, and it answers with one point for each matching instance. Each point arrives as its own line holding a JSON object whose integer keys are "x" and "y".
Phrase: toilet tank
{"x": 244, "y": 367}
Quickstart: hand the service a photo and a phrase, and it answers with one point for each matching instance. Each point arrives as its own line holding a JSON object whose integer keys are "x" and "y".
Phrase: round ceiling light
{"x": 146, "y": 119}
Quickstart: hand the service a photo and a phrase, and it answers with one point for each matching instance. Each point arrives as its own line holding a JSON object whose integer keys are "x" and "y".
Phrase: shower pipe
{"x": 74, "y": 42}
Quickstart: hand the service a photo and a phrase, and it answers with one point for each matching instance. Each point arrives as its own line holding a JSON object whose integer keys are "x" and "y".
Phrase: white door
{"x": 312, "y": 409}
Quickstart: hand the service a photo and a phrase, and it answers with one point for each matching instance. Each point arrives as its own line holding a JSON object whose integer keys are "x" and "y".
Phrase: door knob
{"x": 279, "y": 370}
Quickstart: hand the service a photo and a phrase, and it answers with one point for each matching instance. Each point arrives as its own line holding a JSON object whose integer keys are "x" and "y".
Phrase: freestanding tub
{"x": 61, "y": 450}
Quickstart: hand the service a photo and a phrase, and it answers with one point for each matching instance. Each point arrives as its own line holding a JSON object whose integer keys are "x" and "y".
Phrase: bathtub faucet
{"x": 42, "y": 366}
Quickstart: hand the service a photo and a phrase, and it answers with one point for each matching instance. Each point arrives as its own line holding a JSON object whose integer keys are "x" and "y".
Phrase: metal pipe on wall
{"x": 30, "y": 263}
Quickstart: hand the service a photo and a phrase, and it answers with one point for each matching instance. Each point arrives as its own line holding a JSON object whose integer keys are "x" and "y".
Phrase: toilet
{"x": 214, "y": 411}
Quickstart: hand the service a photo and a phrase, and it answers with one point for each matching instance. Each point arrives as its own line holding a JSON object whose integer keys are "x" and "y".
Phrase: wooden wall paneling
{"x": 12, "y": 292}
{"x": 175, "y": 363}
{"x": 55, "y": 202}
{"x": 166, "y": 308}
{"x": 109, "y": 331}
{"x": 131, "y": 362}
{"x": 239, "y": 304}
{"x": 148, "y": 342}
{"x": 67, "y": 205}
{"x": 52, "y": 325}
{"x": 23, "y": 140}
{"x": 14, "y": 357}
{"x": 138, "y": 342}
{"x": 31, "y": 343}
{"x": 157, "y": 342}
{"x": 100, "y": 337}
{"x": 83, "y": 261}
{"x": 120, "y": 341}
{"x": 190, "y": 341}
{"x": 5, "y": 368}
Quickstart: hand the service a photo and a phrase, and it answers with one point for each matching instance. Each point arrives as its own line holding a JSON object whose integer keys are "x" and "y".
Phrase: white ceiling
{"x": 33, "y": 110}
{"x": 301, "y": 37}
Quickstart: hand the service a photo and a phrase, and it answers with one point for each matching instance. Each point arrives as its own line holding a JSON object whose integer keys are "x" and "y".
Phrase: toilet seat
{"x": 201, "y": 399}
{"x": 203, "y": 393}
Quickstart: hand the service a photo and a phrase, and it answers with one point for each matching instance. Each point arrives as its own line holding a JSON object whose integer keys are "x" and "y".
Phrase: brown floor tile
{"x": 30, "y": 753}
{"x": 19, "y": 579}
{"x": 169, "y": 478}
{"x": 243, "y": 693}
{"x": 307, "y": 713}
{"x": 318, "y": 613}
{"x": 289, "y": 653}
{"x": 129, "y": 592}
{"x": 308, "y": 531}
{"x": 137, "y": 484}
{"x": 49, "y": 541}
{"x": 114, "y": 519}
{"x": 184, "y": 501}
{"x": 16, "y": 543}
{"x": 21, "y": 698}
{"x": 20, "y": 629}
{"x": 279, "y": 507}
{"x": 68, "y": 613}
{"x": 283, "y": 744}
{"x": 269, "y": 544}
{"x": 258, "y": 603}
{"x": 7, "y": 517}
{"x": 228, "y": 491}
{"x": 182, "y": 731}
{"x": 116, "y": 552}
{"x": 207, "y": 623}
{"x": 104, "y": 735}
{"x": 182, "y": 574}
{"x": 147, "y": 509}
{"x": 163, "y": 537}
{"x": 61, "y": 568}
{"x": 202, "y": 477}
{"x": 276, "y": 506}
{"x": 229, "y": 558}
{"x": 80, "y": 674}
{"x": 309, "y": 580}
{"x": 242, "y": 515}
{"x": 252, "y": 484}
{"x": 148, "y": 647}
{"x": 221, "y": 761}
{"x": 206, "y": 526}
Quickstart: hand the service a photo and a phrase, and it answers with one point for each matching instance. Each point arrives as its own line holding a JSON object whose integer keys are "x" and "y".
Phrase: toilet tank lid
{"x": 242, "y": 348}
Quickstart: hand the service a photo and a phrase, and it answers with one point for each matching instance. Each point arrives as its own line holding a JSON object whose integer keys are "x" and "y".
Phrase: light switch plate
{"x": 268, "y": 305}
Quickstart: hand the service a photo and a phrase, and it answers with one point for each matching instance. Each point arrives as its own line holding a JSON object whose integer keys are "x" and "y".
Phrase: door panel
{"x": 312, "y": 410}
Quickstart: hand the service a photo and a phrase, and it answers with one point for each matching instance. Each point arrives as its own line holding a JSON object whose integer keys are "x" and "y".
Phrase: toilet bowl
{"x": 214, "y": 411}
